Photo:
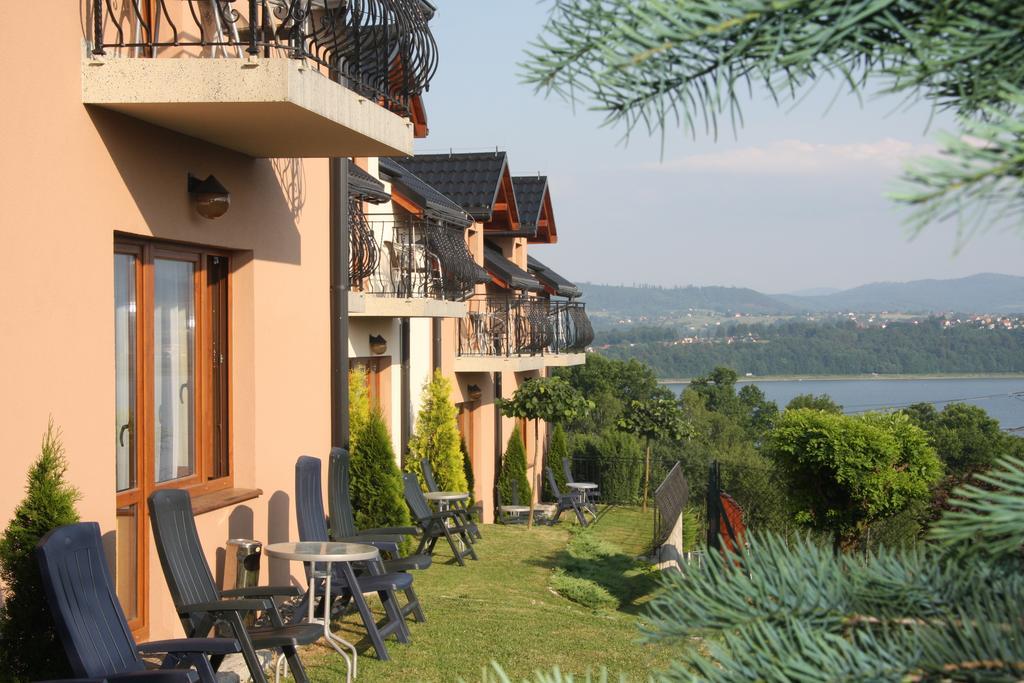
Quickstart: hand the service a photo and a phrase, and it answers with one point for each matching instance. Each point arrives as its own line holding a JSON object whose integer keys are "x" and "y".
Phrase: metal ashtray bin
{"x": 242, "y": 566}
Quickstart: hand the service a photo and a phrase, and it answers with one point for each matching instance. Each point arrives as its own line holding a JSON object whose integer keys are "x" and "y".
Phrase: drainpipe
{"x": 406, "y": 426}
{"x": 339, "y": 208}
{"x": 435, "y": 330}
{"x": 497, "y": 430}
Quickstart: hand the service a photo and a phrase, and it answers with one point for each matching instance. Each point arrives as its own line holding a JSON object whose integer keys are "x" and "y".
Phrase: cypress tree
{"x": 513, "y": 468}
{"x": 30, "y": 647}
{"x": 558, "y": 449}
{"x": 376, "y": 486}
{"x": 358, "y": 404}
{"x": 436, "y": 437}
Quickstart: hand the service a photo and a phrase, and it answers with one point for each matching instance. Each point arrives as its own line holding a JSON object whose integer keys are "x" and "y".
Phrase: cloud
{"x": 788, "y": 157}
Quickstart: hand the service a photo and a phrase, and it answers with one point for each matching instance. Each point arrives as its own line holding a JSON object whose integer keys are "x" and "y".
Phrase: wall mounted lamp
{"x": 378, "y": 344}
{"x": 474, "y": 392}
{"x": 210, "y": 198}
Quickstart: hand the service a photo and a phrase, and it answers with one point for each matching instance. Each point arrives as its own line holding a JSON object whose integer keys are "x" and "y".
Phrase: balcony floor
{"x": 265, "y": 108}
{"x": 372, "y": 306}
{"x": 500, "y": 363}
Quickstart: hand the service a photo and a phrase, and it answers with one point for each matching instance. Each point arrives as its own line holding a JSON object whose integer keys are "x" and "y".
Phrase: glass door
{"x": 130, "y": 524}
{"x": 174, "y": 381}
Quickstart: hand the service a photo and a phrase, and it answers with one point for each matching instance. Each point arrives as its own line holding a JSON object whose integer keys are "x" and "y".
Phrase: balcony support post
{"x": 339, "y": 227}
{"x": 406, "y": 425}
{"x": 435, "y": 329}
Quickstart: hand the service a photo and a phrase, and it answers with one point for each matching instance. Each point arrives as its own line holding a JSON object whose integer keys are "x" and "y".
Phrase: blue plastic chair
{"x": 92, "y": 625}
{"x": 563, "y": 501}
{"x": 309, "y": 515}
{"x": 342, "y": 520}
{"x": 200, "y": 604}
{"x": 435, "y": 525}
{"x": 460, "y": 506}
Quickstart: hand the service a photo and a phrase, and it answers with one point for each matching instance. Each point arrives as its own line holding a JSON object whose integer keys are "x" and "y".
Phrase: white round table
{"x": 581, "y": 488}
{"x": 327, "y": 554}
{"x": 444, "y": 500}
{"x": 445, "y": 497}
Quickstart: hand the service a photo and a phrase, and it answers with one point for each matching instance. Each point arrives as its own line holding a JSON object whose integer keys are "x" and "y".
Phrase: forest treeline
{"x": 829, "y": 348}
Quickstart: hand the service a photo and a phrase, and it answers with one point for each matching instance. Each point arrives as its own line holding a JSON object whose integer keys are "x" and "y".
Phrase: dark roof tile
{"x": 471, "y": 180}
{"x": 552, "y": 280}
{"x": 435, "y": 204}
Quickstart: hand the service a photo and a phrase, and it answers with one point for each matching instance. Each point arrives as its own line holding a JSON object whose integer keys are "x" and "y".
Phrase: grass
{"x": 503, "y": 608}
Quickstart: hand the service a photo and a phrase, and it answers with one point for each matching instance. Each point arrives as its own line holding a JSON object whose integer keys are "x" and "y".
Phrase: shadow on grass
{"x": 598, "y": 574}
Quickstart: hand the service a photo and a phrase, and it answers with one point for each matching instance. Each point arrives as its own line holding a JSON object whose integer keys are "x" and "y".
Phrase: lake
{"x": 1001, "y": 397}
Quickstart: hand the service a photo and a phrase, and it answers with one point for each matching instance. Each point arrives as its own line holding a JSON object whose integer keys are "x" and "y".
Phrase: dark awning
{"x": 435, "y": 204}
{"x": 557, "y": 284}
{"x": 364, "y": 186}
{"x": 508, "y": 272}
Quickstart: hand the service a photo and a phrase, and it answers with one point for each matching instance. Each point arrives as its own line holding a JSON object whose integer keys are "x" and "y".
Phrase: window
{"x": 172, "y": 391}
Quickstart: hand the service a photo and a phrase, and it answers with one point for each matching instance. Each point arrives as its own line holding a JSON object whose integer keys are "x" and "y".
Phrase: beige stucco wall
{"x": 72, "y": 177}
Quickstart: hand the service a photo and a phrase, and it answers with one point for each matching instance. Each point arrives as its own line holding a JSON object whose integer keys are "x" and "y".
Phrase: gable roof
{"x": 434, "y": 204}
{"x": 537, "y": 218}
{"x": 530, "y": 191}
{"x": 552, "y": 281}
{"x": 473, "y": 180}
{"x": 509, "y": 274}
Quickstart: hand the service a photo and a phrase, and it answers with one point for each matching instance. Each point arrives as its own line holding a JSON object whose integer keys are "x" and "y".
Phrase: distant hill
{"x": 983, "y": 293}
{"x": 813, "y": 291}
{"x": 645, "y": 301}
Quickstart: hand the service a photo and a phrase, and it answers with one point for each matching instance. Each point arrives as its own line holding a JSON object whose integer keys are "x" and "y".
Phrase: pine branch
{"x": 654, "y": 64}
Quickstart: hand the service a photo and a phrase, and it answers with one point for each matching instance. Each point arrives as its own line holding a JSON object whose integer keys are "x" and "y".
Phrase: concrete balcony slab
{"x": 499, "y": 363}
{"x": 373, "y": 306}
{"x": 564, "y": 360}
{"x": 262, "y": 107}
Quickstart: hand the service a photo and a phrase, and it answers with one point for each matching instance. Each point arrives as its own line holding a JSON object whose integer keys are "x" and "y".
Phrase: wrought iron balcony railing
{"x": 411, "y": 259}
{"x": 523, "y": 326}
{"x": 382, "y": 49}
{"x": 572, "y": 330}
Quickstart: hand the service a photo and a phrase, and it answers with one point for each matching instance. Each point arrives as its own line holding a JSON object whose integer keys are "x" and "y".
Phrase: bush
{"x": 558, "y": 450}
{"x": 618, "y": 459}
{"x": 513, "y": 468}
{"x": 583, "y": 591}
{"x": 376, "y": 484}
{"x": 30, "y": 646}
{"x": 437, "y": 439}
{"x": 843, "y": 473}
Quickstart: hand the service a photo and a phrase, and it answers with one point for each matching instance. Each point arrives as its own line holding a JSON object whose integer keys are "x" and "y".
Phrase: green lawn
{"x": 502, "y": 608}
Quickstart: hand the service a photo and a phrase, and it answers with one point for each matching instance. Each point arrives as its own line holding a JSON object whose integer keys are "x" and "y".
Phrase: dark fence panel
{"x": 670, "y": 499}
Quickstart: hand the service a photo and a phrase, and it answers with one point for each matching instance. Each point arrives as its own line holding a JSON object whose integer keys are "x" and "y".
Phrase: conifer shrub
{"x": 30, "y": 647}
{"x": 558, "y": 449}
{"x": 358, "y": 404}
{"x": 436, "y": 437}
{"x": 513, "y": 468}
{"x": 376, "y": 482}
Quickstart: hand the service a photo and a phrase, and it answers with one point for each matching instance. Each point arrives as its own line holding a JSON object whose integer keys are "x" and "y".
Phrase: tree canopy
{"x": 843, "y": 472}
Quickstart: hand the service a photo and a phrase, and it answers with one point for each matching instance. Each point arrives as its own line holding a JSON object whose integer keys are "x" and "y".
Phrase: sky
{"x": 793, "y": 200}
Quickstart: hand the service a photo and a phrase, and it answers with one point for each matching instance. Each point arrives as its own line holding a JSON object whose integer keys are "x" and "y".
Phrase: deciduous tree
{"x": 844, "y": 472}
{"x": 550, "y": 399}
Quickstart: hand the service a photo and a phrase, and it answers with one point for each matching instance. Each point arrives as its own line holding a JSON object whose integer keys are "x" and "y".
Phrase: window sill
{"x": 208, "y": 502}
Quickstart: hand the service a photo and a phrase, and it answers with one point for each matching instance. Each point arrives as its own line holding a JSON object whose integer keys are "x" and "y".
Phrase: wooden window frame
{"x": 207, "y": 476}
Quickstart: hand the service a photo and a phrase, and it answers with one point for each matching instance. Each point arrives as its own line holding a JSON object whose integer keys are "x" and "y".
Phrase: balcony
{"x": 269, "y": 78}
{"x": 408, "y": 268}
{"x": 521, "y": 334}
